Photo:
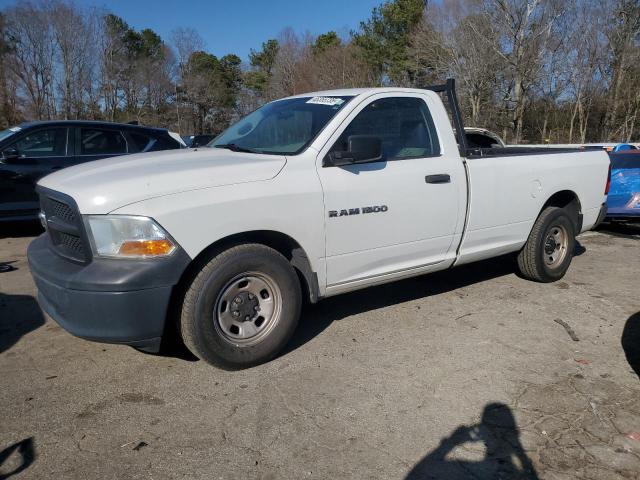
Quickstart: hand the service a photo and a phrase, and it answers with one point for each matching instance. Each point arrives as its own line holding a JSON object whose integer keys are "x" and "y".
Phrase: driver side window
{"x": 403, "y": 125}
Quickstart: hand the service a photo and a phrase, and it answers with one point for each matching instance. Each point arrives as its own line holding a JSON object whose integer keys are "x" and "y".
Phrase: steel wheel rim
{"x": 248, "y": 307}
{"x": 555, "y": 246}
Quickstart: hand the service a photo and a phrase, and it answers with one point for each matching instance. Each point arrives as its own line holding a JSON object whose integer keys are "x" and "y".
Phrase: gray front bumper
{"x": 107, "y": 300}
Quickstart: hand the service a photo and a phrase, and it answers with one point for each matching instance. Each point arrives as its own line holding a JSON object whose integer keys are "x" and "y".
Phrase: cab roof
{"x": 353, "y": 92}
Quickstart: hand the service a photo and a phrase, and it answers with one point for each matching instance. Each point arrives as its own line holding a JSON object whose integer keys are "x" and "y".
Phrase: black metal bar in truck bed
{"x": 449, "y": 89}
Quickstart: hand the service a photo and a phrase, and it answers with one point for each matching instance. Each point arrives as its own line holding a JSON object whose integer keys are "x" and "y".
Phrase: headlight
{"x": 128, "y": 237}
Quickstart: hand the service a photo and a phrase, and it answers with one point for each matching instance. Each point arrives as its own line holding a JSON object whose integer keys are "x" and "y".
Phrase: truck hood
{"x": 104, "y": 185}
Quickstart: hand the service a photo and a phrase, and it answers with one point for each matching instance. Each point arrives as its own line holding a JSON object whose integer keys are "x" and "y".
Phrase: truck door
{"x": 397, "y": 215}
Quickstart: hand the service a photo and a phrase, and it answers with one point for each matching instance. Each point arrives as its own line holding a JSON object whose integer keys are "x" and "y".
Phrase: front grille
{"x": 64, "y": 225}
{"x": 69, "y": 242}
{"x": 62, "y": 211}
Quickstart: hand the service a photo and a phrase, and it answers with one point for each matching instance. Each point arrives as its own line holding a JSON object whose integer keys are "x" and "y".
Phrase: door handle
{"x": 439, "y": 178}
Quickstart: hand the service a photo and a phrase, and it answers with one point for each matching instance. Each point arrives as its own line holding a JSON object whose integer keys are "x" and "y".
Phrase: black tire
{"x": 531, "y": 259}
{"x": 204, "y": 334}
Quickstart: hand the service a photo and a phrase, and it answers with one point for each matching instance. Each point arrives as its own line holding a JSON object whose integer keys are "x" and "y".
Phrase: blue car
{"x": 623, "y": 202}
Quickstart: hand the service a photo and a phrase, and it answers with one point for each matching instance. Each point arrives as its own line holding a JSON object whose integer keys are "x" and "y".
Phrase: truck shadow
{"x": 631, "y": 342}
{"x": 19, "y": 315}
{"x": 579, "y": 249}
{"x": 620, "y": 229}
{"x": 504, "y": 456}
{"x": 316, "y": 318}
{"x": 173, "y": 347}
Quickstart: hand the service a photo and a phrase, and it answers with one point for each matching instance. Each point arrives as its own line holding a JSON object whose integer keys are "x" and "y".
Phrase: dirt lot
{"x": 472, "y": 373}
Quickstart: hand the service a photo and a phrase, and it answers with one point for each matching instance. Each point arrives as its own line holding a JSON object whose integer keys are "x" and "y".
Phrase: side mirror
{"x": 10, "y": 154}
{"x": 362, "y": 149}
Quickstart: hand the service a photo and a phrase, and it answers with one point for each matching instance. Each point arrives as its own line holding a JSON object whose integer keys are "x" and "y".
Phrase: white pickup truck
{"x": 307, "y": 197}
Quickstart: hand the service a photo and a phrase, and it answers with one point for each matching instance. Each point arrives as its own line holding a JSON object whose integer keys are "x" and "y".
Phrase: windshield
{"x": 8, "y": 132}
{"x": 284, "y": 127}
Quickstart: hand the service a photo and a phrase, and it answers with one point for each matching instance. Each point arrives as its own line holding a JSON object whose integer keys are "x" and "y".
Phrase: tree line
{"x": 536, "y": 71}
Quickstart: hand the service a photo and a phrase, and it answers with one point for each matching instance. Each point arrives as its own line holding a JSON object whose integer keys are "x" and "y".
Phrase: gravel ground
{"x": 470, "y": 373}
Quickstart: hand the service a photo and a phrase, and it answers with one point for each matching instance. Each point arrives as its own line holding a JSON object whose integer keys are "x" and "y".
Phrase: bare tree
{"x": 586, "y": 59}
{"x": 185, "y": 41}
{"x": 524, "y": 29}
{"x": 622, "y": 34}
{"x": 285, "y": 73}
{"x": 113, "y": 56}
{"x": 34, "y": 54}
{"x": 8, "y": 80}
{"x": 77, "y": 60}
{"x": 339, "y": 66}
{"x": 446, "y": 45}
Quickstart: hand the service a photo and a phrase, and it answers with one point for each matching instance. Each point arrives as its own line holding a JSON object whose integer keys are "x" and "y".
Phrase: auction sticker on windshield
{"x": 330, "y": 101}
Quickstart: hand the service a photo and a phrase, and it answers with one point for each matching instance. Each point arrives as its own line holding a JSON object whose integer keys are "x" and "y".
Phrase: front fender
{"x": 197, "y": 219}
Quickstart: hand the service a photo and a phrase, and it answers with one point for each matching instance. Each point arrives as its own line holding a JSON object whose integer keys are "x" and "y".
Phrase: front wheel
{"x": 549, "y": 249}
{"x": 242, "y": 307}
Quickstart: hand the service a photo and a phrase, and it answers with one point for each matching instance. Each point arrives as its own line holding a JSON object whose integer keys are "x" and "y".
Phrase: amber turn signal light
{"x": 146, "y": 248}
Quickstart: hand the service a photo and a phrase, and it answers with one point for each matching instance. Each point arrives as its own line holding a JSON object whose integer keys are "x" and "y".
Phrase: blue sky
{"x": 235, "y": 26}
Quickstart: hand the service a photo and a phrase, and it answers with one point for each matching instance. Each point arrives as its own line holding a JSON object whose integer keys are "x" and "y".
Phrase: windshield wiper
{"x": 235, "y": 148}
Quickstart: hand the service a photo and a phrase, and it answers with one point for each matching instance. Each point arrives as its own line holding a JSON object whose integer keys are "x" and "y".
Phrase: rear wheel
{"x": 242, "y": 308}
{"x": 549, "y": 249}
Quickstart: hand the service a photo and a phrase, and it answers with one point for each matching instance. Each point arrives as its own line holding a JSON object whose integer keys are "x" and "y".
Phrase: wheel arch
{"x": 281, "y": 242}
{"x": 570, "y": 201}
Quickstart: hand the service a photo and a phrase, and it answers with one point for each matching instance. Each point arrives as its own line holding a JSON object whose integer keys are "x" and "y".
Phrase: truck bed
{"x": 510, "y": 186}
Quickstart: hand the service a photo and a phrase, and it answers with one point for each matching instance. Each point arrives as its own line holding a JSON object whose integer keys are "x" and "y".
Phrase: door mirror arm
{"x": 337, "y": 159}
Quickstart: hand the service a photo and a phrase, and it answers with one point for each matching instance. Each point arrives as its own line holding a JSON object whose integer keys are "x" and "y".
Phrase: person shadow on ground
{"x": 504, "y": 456}
{"x": 24, "y": 452}
{"x": 631, "y": 342}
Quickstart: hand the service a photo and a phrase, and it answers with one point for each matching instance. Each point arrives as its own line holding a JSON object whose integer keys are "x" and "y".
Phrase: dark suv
{"x": 32, "y": 150}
